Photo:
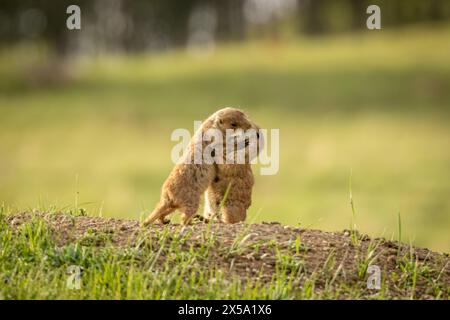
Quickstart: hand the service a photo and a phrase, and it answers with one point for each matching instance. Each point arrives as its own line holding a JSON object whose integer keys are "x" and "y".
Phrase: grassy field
{"x": 72, "y": 256}
{"x": 375, "y": 104}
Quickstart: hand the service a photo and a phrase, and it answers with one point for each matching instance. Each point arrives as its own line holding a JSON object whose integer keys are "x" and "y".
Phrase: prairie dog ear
{"x": 218, "y": 122}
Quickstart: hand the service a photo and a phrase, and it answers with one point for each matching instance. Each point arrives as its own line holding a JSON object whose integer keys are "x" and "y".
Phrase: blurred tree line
{"x": 137, "y": 25}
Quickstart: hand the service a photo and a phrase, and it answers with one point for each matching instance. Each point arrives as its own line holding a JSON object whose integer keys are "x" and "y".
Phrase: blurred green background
{"x": 93, "y": 125}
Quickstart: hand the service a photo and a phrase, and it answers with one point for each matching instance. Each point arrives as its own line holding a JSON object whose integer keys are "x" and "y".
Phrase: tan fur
{"x": 188, "y": 181}
{"x": 240, "y": 179}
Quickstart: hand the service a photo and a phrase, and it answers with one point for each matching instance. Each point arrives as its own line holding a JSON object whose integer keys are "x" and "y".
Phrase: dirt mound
{"x": 259, "y": 250}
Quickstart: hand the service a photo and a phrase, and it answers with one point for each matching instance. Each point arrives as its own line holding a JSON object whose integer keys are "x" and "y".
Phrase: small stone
{"x": 392, "y": 259}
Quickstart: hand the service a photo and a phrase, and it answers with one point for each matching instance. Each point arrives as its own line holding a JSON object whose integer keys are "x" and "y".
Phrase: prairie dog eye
{"x": 234, "y": 124}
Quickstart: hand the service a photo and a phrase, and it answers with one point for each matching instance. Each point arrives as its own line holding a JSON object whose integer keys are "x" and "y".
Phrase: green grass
{"x": 163, "y": 263}
{"x": 33, "y": 267}
{"x": 376, "y": 103}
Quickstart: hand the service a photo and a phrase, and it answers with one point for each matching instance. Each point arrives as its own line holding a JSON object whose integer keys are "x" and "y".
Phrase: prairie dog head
{"x": 245, "y": 132}
{"x": 231, "y": 118}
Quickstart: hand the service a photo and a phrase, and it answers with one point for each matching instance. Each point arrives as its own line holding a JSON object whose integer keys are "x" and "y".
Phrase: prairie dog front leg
{"x": 210, "y": 209}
